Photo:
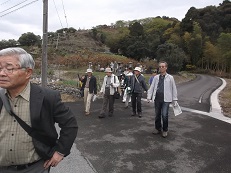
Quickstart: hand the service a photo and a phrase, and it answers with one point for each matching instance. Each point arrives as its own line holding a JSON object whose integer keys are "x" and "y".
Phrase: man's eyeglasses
{"x": 10, "y": 70}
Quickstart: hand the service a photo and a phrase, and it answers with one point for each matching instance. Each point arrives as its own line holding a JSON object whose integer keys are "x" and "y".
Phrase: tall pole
{"x": 44, "y": 43}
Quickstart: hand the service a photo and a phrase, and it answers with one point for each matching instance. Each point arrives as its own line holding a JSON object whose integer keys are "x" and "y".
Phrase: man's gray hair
{"x": 25, "y": 59}
{"x": 166, "y": 64}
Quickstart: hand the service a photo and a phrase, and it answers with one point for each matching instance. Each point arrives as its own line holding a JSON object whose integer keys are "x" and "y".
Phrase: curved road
{"x": 125, "y": 144}
{"x": 196, "y": 93}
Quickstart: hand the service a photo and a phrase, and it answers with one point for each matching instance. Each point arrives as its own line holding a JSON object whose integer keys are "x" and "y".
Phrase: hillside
{"x": 75, "y": 43}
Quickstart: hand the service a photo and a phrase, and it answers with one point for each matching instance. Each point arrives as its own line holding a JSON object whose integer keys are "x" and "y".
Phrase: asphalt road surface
{"x": 196, "y": 94}
{"x": 125, "y": 144}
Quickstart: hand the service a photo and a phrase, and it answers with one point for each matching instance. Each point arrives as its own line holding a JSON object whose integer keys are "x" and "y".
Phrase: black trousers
{"x": 136, "y": 102}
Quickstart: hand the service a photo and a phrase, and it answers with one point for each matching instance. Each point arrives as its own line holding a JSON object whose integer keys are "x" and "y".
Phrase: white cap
{"x": 137, "y": 69}
{"x": 108, "y": 70}
{"x": 89, "y": 71}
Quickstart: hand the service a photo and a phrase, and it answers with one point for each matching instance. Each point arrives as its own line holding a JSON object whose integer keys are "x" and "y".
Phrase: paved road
{"x": 196, "y": 94}
{"x": 125, "y": 144}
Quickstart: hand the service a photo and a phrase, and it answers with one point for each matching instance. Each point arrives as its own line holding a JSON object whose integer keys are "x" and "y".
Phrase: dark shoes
{"x": 140, "y": 115}
{"x": 156, "y": 132}
{"x": 101, "y": 116}
{"x": 133, "y": 114}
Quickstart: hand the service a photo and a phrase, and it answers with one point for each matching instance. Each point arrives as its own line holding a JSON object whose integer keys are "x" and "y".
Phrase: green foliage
{"x": 224, "y": 45}
{"x": 29, "y": 39}
{"x": 70, "y": 83}
{"x": 213, "y": 20}
{"x": 190, "y": 67}
{"x": 173, "y": 55}
{"x": 201, "y": 39}
{"x": 194, "y": 44}
{"x": 8, "y": 43}
{"x": 136, "y": 29}
{"x": 156, "y": 25}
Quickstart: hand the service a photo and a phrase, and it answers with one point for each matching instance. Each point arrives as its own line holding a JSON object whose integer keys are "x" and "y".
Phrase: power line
{"x": 13, "y": 6}
{"x": 5, "y": 2}
{"x": 58, "y": 14}
{"x": 19, "y": 8}
{"x": 65, "y": 14}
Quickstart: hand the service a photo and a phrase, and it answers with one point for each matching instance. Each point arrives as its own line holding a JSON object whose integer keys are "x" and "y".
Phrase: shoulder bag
{"x": 116, "y": 93}
{"x": 44, "y": 143}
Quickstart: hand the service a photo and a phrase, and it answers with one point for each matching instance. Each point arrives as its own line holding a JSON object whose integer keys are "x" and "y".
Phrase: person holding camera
{"x": 109, "y": 86}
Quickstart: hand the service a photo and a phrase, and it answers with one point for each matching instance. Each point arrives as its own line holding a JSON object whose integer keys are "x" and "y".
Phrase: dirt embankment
{"x": 225, "y": 99}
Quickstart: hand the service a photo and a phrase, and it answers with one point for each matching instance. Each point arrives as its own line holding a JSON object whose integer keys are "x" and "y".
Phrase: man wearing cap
{"x": 162, "y": 91}
{"x": 137, "y": 84}
{"x": 90, "y": 88}
{"x": 110, "y": 83}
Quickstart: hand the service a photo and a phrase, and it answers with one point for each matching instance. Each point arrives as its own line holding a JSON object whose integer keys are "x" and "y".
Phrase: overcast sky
{"x": 86, "y": 14}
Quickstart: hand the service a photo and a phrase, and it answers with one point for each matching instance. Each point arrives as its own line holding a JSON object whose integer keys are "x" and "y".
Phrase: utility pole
{"x": 44, "y": 43}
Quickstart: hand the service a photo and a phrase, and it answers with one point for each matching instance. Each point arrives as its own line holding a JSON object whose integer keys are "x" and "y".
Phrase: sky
{"x": 85, "y": 14}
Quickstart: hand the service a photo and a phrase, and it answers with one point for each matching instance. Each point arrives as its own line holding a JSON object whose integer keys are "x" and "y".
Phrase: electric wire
{"x": 13, "y": 6}
{"x": 19, "y": 8}
{"x": 5, "y": 2}
{"x": 64, "y": 13}
{"x": 58, "y": 14}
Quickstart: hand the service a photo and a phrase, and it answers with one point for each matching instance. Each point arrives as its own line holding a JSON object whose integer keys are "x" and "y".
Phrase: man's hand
{"x": 54, "y": 161}
{"x": 148, "y": 100}
{"x": 174, "y": 103}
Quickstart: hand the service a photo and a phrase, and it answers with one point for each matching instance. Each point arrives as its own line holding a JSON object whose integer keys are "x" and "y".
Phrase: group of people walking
{"x": 29, "y": 142}
{"x": 162, "y": 92}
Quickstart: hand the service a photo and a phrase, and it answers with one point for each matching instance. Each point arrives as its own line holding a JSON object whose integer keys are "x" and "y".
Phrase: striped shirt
{"x": 16, "y": 145}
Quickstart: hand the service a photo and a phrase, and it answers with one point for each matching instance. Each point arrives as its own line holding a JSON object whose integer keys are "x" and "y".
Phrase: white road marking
{"x": 216, "y": 111}
{"x": 216, "y": 115}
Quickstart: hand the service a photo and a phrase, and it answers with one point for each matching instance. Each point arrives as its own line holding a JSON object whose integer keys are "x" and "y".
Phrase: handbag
{"x": 45, "y": 145}
{"x": 116, "y": 93}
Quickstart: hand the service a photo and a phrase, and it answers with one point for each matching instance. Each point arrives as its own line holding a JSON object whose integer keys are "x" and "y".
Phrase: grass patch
{"x": 72, "y": 83}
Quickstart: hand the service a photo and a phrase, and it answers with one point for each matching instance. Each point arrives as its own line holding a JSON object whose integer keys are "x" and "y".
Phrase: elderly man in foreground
{"x": 37, "y": 108}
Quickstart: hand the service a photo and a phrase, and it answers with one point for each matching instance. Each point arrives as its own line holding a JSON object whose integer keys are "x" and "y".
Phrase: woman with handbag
{"x": 109, "y": 88}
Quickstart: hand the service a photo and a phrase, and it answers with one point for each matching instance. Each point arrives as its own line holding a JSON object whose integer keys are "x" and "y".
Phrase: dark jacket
{"x": 92, "y": 84}
{"x": 138, "y": 87}
{"x": 47, "y": 109}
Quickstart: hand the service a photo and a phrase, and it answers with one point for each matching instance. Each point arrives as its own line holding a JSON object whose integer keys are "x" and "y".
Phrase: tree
{"x": 224, "y": 46}
{"x": 194, "y": 44}
{"x": 211, "y": 59}
{"x": 29, "y": 39}
{"x": 173, "y": 55}
{"x": 136, "y": 29}
{"x": 10, "y": 43}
